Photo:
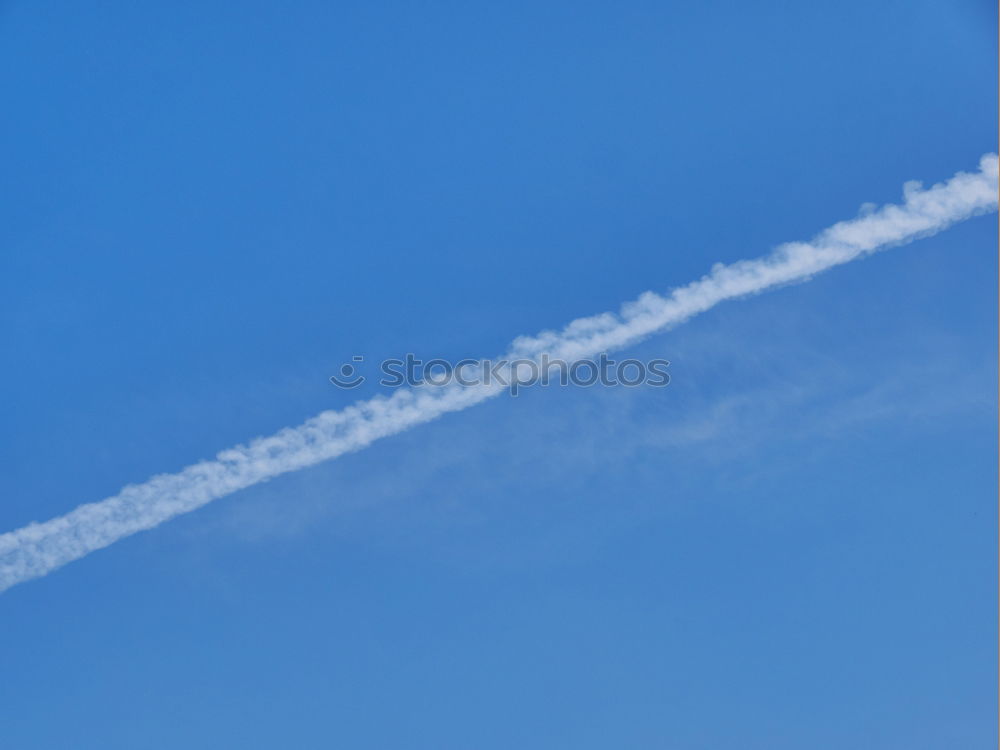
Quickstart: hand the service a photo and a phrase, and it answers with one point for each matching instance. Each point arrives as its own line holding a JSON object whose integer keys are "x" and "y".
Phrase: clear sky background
{"x": 208, "y": 207}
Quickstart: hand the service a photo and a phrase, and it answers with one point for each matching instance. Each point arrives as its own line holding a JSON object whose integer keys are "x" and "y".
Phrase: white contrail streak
{"x": 39, "y": 548}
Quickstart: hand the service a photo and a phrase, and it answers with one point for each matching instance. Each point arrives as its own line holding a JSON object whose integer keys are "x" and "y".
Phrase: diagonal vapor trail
{"x": 39, "y": 548}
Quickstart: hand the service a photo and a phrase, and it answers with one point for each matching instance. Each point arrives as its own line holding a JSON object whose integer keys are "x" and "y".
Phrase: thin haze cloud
{"x": 39, "y": 548}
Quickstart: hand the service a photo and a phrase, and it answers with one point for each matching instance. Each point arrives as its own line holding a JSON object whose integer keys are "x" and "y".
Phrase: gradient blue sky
{"x": 209, "y": 206}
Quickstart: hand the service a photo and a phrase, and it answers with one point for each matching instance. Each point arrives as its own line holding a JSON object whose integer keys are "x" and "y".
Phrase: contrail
{"x": 39, "y": 548}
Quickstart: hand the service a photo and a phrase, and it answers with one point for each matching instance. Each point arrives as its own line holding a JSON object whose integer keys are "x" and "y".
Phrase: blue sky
{"x": 211, "y": 206}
